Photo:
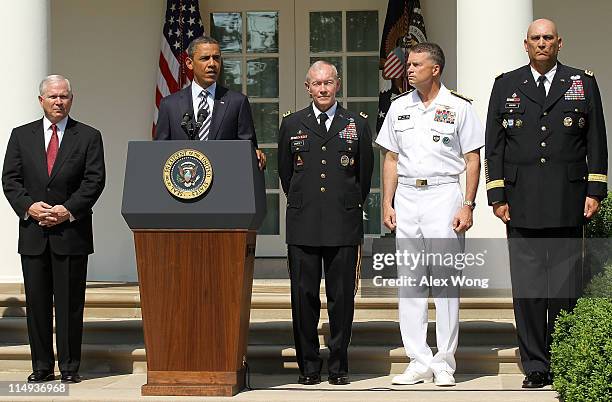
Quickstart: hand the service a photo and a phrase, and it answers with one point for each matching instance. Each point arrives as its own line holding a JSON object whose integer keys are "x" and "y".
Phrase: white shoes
{"x": 411, "y": 377}
{"x": 444, "y": 379}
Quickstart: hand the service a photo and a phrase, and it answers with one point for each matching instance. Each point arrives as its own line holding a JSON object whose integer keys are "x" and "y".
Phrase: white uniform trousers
{"x": 425, "y": 213}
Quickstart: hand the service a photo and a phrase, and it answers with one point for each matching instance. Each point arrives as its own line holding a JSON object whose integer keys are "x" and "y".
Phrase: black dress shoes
{"x": 71, "y": 377}
{"x": 41, "y": 376}
{"x": 536, "y": 379}
{"x": 338, "y": 379}
{"x": 309, "y": 379}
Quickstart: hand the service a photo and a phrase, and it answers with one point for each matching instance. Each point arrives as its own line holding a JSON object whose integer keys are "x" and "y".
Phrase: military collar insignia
{"x": 287, "y": 113}
{"x": 362, "y": 114}
{"x": 589, "y": 73}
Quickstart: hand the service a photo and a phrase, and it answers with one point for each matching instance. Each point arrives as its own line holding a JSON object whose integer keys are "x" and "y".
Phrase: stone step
{"x": 13, "y": 330}
{"x": 266, "y": 306}
{"x": 278, "y": 359}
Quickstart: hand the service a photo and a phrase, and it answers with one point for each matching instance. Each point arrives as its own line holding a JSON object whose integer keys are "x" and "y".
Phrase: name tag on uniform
{"x": 404, "y": 117}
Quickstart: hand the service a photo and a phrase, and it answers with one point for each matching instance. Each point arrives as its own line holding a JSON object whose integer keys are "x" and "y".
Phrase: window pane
{"x": 336, "y": 61}
{"x": 226, "y": 28}
{"x": 265, "y": 117}
{"x": 271, "y": 171}
{"x": 362, "y": 75}
{"x": 231, "y": 76}
{"x": 326, "y": 32}
{"x": 262, "y": 32}
{"x": 262, "y": 78}
{"x": 371, "y": 223}
{"x": 362, "y": 31}
{"x": 271, "y": 222}
{"x": 369, "y": 108}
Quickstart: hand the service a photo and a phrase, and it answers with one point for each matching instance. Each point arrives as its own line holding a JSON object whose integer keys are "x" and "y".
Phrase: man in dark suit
{"x": 546, "y": 172}
{"x": 222, "y": 114}
{"x": 325, "y": 162}
{"x": 53, "y": 174}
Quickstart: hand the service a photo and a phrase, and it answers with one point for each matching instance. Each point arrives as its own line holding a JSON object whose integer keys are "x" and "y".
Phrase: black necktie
{"x": 541, "y": 89}
{"x": 322, "y": 119}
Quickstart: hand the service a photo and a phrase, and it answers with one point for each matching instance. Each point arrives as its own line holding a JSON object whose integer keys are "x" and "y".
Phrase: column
{"x": 490, "y": 37}
{"x": 25, "y": 29}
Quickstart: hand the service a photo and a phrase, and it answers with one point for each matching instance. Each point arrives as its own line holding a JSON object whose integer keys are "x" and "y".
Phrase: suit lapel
{"x": 559, "y": 86}
{"x": 528, "y": 87}
{"x": 340, "y": 121}
{"x": 40, "y": 153}
{"x": 311, "y": 123}
{"x": 66, "y": 146}
{"x": 221, "y": 105}
{"x": 186, "y": 101}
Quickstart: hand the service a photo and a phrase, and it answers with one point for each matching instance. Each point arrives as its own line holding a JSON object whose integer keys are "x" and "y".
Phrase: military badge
{"x": 187, "y": 174}
{"x": 505, "y": 123}
{"x": 576, "y": 91}
{"x": 581, "y": 122}
{"x": 445, "y": 140}
{"x": 297, "y": 143}
{"x": 300, "y": 135}
{"x": 299, "y": 161}
{"x": 349, "y": 132}
{"x": 436, "y": 138}
{"x": 352, "y": 161}
{"x": 510, "y": 123}
{"x": 575, "y": 77}
{"x": 444, "y": 115}
{"x": 344, "y": 160}
{"x": 404, "y": 117}
{"x": 567, "y": 122}
{"x": 518, "y": 123}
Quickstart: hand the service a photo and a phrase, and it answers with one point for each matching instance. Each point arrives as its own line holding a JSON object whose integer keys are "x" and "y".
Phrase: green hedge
{"x": 581, "y": 359}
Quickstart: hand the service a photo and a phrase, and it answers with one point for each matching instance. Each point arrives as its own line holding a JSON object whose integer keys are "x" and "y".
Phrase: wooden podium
{"x": 195, "y": 266}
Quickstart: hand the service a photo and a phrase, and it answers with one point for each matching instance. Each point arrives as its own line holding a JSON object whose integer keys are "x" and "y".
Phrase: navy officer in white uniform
{"x": 431, "y": 135}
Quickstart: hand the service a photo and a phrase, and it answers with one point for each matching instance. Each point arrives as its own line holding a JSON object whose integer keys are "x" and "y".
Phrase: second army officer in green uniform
{"x": 325, "y": 166}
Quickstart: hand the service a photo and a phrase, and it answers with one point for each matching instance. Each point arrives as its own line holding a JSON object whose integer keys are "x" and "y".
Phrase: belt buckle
{"x": 421, "y": 182}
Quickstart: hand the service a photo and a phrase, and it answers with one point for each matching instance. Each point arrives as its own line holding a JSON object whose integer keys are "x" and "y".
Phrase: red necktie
{"x": 52, "y": 149}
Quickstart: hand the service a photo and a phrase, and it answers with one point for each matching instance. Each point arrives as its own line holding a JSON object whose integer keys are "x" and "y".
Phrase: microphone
{"x": 202, "y": 115}
{"x": 187, "y": 125}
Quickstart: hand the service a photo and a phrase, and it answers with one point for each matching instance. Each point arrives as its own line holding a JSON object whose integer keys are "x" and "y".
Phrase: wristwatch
{"x": 468, "y": 203}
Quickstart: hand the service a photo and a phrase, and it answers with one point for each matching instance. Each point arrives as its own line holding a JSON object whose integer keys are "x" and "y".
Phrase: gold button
{"x": 543, "y": 128}
{"x": 359, "y": 205}
{"x": 576, "y": 110}
{"x": 511, "y": 110}
{"x": 322, "y": 175}
{"x": 323, "y": 162}
{"x": 323, "y": 148}
{"x": 543, "y": 160}
{"x": 322, "y": 189}
{"x": 543, "y": 144}
{"x": 545, "y": 113}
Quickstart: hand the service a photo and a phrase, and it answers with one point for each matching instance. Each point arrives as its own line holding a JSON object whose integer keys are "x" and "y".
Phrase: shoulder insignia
{"x": 287, "y": 113}
{"x": 365, "y": 116}
{"x": 394, "y": 97}
{"x": 589, "y": 73}
{"x": 458, "y": 95}
{"x": 499, "y": 76}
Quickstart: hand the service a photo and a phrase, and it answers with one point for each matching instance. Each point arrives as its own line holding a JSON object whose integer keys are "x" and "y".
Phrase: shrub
{"x": 581, "y": 352}
{"x": 601, "y": 284}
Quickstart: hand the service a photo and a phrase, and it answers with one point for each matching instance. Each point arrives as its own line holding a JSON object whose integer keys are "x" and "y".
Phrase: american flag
{"x": 181, "y": 25}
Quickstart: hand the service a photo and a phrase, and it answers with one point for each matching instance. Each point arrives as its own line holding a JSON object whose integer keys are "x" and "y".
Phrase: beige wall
{"x": 109, "y": 49}
{"x": 586, "y": 31}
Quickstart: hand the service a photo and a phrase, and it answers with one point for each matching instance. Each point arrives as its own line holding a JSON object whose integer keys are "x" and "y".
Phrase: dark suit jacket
{"x": 76, "y": 182}
{"x": 544, "y": 157}
{"x": 325, "y": 199}
{"x": 231, "y": 117}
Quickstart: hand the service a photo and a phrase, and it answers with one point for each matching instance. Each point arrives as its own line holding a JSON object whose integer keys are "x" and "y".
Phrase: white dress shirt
{"x": 195, "y": 96}
{"x": 549, "y": 77}
{"x": 331, "y": 112}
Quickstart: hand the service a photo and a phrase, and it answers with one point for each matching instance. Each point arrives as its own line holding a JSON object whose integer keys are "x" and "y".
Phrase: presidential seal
{"x": 187, "y": 174}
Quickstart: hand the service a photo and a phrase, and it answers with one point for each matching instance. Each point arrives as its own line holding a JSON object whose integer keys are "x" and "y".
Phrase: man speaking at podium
{"x": 205, "y": 110}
